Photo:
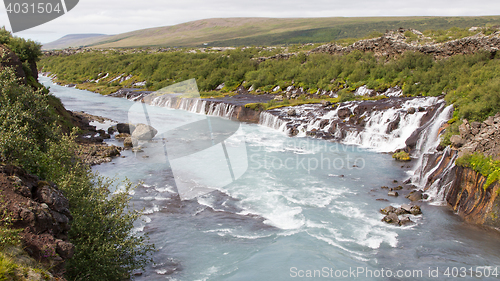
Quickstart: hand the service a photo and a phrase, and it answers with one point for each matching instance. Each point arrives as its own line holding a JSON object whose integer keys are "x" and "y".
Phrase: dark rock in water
{"x": 130, "y": 142}
{"x": 387, "y": 210}
{"x": 323, "y": 123}
{"x": 122, "y": 136}
{"x": 415, "y": 210}
{"x": 103, "y": 134}
{"x": 391, "y": 218}
{"x": 393, "y": 125}
{"x": 343, "y": 113}
{"x": 415, "y": 196}
{"x": 384, "y": 187}
{"x": 144, "y": 132}
{"x": 399, "y": 187}
{"x": 291, "y": 112}
{"x": 394, "y": 181}
{"x": 405, "y": 221}
{"x": 393, "y": 193}
{"x": 406, "y": 208}
{"x": 400, "y": 211}
{"x": 112, "y": 130}
{"x": 411, "y": 110}
{"x": 125, "y": 128}
{"x": 421, "y": 109}
{"x": 425, "y": 196}
{"x": 381, "y": 199}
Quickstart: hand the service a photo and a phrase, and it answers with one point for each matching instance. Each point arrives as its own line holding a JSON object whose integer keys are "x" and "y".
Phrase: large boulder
{"x": 415, "y": 195}
{"x": 144, "y": 132}
{"x": 125, "y": 128}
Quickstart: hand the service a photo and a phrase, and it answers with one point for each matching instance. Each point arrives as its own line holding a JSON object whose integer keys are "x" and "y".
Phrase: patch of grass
{"x": 484, "y": 165}
{"x": 105, "y": 89}
{"x": 8, "y": 268}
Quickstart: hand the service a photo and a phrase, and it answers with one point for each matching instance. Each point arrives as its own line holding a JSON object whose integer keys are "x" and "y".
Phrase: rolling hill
{"x": 74, "y": 40}
{"x": 269, "y": 31}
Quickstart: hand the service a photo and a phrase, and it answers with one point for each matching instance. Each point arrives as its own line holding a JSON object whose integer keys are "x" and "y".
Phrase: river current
{"x": 293, "y": 208}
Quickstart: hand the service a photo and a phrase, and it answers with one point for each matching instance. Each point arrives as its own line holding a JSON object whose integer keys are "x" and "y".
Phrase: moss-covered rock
{"x": 402, "y": 156}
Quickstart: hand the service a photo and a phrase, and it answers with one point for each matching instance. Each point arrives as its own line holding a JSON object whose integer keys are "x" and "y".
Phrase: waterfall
{"x": 379, "y": 135}
{"x": 272, "y": 121}
{"x": 428, "y": 142}
{"x": 195, "y": 105}
{"x": 383, "y": 125}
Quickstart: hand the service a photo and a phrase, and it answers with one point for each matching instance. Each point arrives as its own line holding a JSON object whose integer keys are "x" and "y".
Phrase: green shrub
{"x": 486, "y": 166}
{"x": 401, "y": 156}
{"x": 102, "y": 221}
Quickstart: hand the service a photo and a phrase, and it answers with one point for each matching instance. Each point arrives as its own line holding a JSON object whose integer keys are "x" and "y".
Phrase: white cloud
{"x": 113, "y": 16}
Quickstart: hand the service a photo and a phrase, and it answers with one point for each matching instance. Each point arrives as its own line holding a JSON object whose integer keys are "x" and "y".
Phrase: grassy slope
{"x": 269, "y": 31}
{"x": 74, "y": 40}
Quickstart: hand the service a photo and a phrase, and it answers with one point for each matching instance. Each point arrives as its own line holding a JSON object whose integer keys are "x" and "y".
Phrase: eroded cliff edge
{"x": 463, "y": 188}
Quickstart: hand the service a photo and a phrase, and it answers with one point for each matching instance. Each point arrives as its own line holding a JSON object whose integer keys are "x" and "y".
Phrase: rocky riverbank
{"x": 461, "y": 187}
{"x": 92, "y": 148}
{"x": 42, "y": 213}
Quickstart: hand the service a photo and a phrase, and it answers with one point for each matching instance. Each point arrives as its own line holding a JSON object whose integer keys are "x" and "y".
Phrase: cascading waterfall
{"x": 386, "y": 129}
{"x": 427, "y": 143}
{"x": 272, "y": 121}
{"x": 194, "y": 105}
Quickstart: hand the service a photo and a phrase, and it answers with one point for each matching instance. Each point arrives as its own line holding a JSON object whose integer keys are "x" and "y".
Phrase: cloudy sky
{"x": 118, "y": 16}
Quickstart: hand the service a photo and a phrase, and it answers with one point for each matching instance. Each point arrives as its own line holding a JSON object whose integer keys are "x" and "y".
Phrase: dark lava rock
{"x": 415, "y": 196}
{"x": 393, "y": 193}
{"x": 125, "y": 128}
{"x": 391, "y": 218}
{"x": 405, "y": 221}
{"x": 387, "y": 210}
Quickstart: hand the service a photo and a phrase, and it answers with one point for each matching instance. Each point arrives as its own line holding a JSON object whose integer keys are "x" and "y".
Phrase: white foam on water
{"x": 148, "y": 211}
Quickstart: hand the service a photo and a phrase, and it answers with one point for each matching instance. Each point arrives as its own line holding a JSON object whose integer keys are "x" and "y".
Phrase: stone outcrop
{"x": 463, "y": 188}
{"x": 10, "y": 59}
{"x": 42, "y": 212}
{"x": 401, "y": 215}
{"x": 479, "y": 137}
{"x": 476, "y": 204}
{"x": 394, "y": 43}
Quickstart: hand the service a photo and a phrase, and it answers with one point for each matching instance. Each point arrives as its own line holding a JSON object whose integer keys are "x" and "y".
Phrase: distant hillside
{"x": 267, "y": 31}
{"x": 74, "y": 40}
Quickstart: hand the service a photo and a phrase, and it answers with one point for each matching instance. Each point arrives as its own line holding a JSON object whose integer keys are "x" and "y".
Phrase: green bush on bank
{"x": 470, "y": 82}
{"x": 102, "y": 226}
{"x": 484, "y": 165}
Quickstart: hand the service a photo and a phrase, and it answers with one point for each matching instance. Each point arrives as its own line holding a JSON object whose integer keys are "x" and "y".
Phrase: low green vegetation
{"x": 34, "y": 135}
{"x": 102, "y": 224}
{"x": 401, "y": 156}
{"x": 484, "y": 165}
{"x": 28, "y": 51}
{"x": 470, "y": 82}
